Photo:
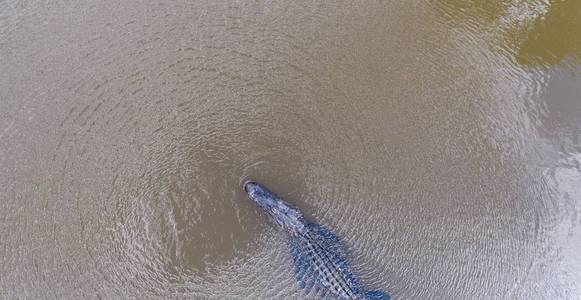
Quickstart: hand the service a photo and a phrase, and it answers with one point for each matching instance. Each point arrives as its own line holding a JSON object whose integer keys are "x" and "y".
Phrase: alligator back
{"x": 321, "y": 260}
{"x": 321, "y": 263}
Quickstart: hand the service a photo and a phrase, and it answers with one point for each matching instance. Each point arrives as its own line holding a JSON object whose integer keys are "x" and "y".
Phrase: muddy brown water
{"x": 440, "y": 139}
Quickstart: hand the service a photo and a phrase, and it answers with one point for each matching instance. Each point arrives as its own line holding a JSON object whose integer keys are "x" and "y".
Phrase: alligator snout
{"x": 247, "y": 184}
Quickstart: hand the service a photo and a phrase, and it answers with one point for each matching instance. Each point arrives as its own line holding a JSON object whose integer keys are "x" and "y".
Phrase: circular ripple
{"x": 130, "y": 130}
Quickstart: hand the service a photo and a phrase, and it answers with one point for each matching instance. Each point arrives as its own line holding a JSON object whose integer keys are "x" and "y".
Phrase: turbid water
{"x": 440, "y": 139}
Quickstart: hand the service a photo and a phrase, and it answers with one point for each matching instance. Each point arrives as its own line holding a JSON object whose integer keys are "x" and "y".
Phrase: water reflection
{"x": 539, "y": 33}
{"x": 553, "y": 37}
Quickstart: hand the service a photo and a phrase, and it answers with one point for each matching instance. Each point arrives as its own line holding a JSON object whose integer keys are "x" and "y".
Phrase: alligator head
{"x": 281, "y": 212}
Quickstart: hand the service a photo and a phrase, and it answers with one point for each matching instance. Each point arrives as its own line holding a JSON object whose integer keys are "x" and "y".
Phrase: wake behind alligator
{"x": 320, "y": 258}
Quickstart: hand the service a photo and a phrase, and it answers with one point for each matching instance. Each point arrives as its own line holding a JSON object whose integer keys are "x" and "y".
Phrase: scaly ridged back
{"x": 321, "y": 262}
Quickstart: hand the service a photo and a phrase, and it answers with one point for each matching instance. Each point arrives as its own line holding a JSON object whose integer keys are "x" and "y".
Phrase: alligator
{"x": 321, "y": 259}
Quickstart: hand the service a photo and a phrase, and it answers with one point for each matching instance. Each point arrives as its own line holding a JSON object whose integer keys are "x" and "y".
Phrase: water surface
{"x": 440, "y": 139}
